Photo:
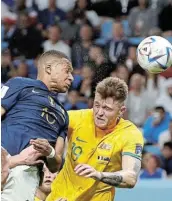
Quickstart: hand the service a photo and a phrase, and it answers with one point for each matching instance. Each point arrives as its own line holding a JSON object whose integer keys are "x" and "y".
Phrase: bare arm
{"x": 2, "y": 111}
{"x": 54, "y": 164}
{"x": 127, "y": 177}
{"x": 29, "y": 156}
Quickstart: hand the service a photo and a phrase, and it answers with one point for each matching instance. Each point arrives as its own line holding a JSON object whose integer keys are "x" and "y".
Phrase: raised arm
{"x": 55, "y": 163}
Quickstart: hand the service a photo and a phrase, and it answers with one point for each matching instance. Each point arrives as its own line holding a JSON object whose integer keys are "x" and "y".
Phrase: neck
{"x": 142, "y": 7}
{"x": 118, "y": 38}
{"x": 86, "y": 43}
{"x": 41, "y": 195}
{"x": 107, "y": 130}
{"x": 54, "y": 42}
{"x": 151, "y": 171}
{"x": 52, "y": 9}
{"x": 43, "y": 80}
{"x": 137, "y": 91}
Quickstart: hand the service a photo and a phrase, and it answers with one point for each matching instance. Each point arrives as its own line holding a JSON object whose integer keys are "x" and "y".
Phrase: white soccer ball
{"x": 154, "y": 54}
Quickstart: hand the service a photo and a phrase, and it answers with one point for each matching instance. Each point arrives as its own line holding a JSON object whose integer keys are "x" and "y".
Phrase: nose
{"x": 47, "y": 174}
{"x": 71, "y": 77}
{"x": 100, "y": 112}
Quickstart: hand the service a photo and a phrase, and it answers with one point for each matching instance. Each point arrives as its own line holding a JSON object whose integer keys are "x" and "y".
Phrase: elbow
{"x": 132, "y": 183}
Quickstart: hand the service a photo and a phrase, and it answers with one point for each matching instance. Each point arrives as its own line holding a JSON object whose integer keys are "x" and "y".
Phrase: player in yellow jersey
{"x": 104, "y": 150}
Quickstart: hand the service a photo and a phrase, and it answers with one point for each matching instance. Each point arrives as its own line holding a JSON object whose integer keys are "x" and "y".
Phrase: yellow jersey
{"x": 104, "y": 154}
{"x": 37, "y": 199}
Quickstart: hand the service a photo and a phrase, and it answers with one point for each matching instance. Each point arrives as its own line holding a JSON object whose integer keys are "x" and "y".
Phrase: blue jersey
{"x": 32, "y": 111}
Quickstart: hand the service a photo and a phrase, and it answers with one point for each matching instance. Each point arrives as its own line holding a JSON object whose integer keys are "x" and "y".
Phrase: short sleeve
{"x": 10, "y": 93}
{"x": 133, "y": 144}
{"x": 74, "y": 118}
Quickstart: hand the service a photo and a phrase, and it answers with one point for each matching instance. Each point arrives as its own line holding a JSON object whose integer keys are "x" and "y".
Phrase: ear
{"x": 48, "y": 68}
{"x": 122, "y": 110}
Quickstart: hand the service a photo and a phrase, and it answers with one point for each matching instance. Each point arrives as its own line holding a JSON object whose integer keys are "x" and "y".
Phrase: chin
{"x": 101, "y": 126}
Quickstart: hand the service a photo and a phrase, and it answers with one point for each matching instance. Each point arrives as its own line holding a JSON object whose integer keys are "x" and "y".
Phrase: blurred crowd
{"x": 100, "y": 37}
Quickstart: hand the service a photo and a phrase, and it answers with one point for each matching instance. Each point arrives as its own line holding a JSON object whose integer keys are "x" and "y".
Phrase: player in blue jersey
{"x": 32, "y": 115}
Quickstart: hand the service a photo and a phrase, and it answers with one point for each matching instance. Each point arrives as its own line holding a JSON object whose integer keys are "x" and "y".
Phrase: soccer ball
{"x": 154, "y": 54}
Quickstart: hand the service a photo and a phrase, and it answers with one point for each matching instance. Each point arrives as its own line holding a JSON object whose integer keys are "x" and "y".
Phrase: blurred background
{"x": 101, "y": 37}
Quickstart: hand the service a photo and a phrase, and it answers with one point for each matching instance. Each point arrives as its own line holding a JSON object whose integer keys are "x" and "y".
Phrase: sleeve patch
{"x": 4, "y": 90}
{"x": 138, "y": 149}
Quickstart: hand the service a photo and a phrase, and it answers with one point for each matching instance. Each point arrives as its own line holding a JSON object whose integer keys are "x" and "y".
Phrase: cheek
{"x": 110, "y": 116}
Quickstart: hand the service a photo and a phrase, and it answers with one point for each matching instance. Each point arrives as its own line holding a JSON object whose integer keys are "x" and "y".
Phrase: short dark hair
{"x": 50, "y": 56}
{"x": 112, "y": 87}
{"x": 168, "y": 144}
{"x": 54, "y": 53}
{"x": 160, "y": 108}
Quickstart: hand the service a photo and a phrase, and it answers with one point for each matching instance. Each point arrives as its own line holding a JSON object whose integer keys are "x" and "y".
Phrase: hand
{"x": 87, "y": 171}
{"x": 29, "y": 156}
{"x": 42, "y": 146}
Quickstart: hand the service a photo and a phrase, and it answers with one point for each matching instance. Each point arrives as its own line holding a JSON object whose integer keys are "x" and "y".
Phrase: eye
{"x": 97, "y": 106}
{"x": 107, "y": 109}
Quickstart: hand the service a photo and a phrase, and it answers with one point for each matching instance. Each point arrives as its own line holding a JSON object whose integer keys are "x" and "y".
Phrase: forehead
{"x": 63, "y": 63}
{"x": 105, "y": 102}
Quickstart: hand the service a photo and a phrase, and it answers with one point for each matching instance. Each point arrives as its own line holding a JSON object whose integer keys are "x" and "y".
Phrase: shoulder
{"x": 130, "y": 131}
{"x": 81, "y": 114}
{"x": 61, "y": 43}
{"x": 45, "y": 43}
{"x": 19, "y": 82}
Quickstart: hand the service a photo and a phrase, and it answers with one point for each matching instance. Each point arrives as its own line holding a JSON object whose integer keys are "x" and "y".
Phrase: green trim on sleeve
{"x": 131, "y": 154}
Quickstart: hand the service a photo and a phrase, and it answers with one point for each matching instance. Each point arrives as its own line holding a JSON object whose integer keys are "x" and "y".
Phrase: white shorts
{"x": 21, "y": 184}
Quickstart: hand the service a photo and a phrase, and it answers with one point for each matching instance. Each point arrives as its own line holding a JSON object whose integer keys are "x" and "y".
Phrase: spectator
{"x": 164, "y": 23}
{"x": 26, "y": 39}
{"x": 54, "y": 41}
{"x": 9, "y": 26}
{"x": 131, "y": 62}
{"x": 69, "y": 28}
{"x": 80, "y": 49}
{"x": 139, "y": 19}
{"x": 138, "y": 98}
{"x": 167, "y": 154}
{"x": 108, "y": 8}
{"x": 154, "y": 87}
{"x": 117, "y": 48}
{"x": 121, "y": 72}
{"x": 165, "y": 136}
{"x": 86, "y": 85}
{"x": 100, "y": 65}
{"x": 151, "y": 168}
{"x": 45, "y": 184}
{"x": 73, "y": 101}
{"x": 155, "y": 125}
{"x": 165, "y": 99}
{"x": 7, "y": 69}
{"x": 81, "y": 11}
{"x": 51, "y": 15}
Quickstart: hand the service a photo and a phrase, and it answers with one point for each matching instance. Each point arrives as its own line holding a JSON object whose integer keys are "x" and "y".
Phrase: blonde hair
{"x": 113, "y": 87}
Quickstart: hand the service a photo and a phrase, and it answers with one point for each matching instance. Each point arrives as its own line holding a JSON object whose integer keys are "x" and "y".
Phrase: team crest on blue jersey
{"x": 138, "y": 149}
